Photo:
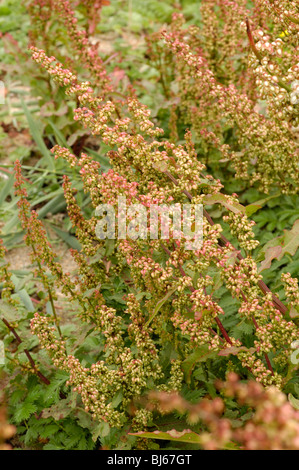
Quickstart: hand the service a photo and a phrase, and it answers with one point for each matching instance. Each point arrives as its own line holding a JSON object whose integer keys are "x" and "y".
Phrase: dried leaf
{"x": 222, "y": 199}
{"x": 173, "y": 435}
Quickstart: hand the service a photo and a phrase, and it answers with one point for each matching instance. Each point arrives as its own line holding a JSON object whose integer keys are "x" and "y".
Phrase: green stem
{"x": 54, "y": 312}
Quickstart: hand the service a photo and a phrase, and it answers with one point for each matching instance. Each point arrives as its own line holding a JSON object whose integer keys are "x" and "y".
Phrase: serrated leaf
{"x": 241, "y": 329}
{"x": 17, "y": 396}
{"x": 53, "y": 446}
{"x": 24, "y": 411}
{"x": 83, "y": 444}
{"x": 101, "y": 430}
{"x": 31, "y": 435}
{"x": 49, "y": 430}
{"x": 71, "y": 441}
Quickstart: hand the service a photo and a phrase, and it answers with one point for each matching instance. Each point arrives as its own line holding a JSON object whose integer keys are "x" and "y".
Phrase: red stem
{"x": 30, "y": 358}
{"x": 223, "y": 331}
{"x": 251, "y": 41}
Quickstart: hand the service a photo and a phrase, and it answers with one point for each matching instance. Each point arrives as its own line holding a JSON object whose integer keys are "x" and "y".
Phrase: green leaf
{"x": 49, "y": 430}
{"x": 58, "y": 135}
{"x": 68, "y": 238}
{"x": 101, "y": 430}
{"x": 24, "y": 411}
{"x": 25, "y": 298}
{"x": 9, "y": 227}
{"x": 291, "y": 239}
{"x": 104, "y": 161}
{"x": 72, "y": 440}
{"x": 84, "y": 419}
{"x": 173, "y": 435}
{"x": 294, "y": 312}
{"x": 9, "y": 312}
{"x": 6, "y": 189}
{"x": 38, "y": 138}
{"x": 109, "y": 247}
{"x": 201, "y": 354}
{"x": 116, "y": 400}
{"x": 55, "y": 205}
{"x": 160, "y": 304}
{"x": 17, "y": 396}
{"x": 54, "y": 446}
{"x": 255, "y": 206}
{"x": 242, "y": 329}
{"x": 31, "y": 436}
{"x": 294, "y": 401}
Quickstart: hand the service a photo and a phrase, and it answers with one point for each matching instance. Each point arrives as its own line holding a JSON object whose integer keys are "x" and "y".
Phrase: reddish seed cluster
{"x": 291, "y": 289}
{"x": 176, "y": 165}
{"x": 113, "y": 185}
{"x": 267, "y": 147}
{"x": 87, "y": 53}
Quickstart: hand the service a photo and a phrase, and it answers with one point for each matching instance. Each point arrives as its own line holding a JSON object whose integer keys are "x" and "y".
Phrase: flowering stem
{"x": 258, "y": 55}
{"x": 251, "y": 41}
{"x": 224, "y": 241}
{"x": 293, "y": 19}
{"x": 30, "y": 358}
{"x": 54, "y": 312}
{"x": 265, "y": 354}
{"x": 269, "y": 363}
{"x": 222, "y": 329}
{"x": 49, "y": 292}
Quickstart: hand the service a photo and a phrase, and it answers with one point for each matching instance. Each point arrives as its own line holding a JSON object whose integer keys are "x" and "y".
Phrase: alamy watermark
{"x": 138, "y": 222}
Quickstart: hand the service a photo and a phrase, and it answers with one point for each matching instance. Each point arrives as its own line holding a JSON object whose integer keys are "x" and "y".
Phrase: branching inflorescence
{"x": 173, "y": 294}
{"x": 264, "y": 123}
